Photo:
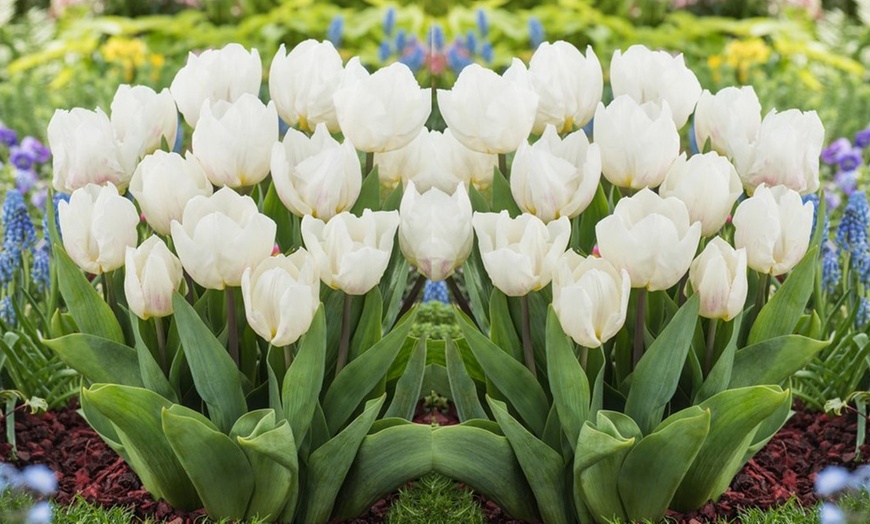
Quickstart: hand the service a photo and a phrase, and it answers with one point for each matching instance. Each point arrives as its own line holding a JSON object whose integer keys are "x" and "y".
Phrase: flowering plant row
{"x": 613, "y": 328}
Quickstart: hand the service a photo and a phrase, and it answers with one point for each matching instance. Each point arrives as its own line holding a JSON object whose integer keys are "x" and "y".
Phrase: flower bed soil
{"x": 786, "y": 467}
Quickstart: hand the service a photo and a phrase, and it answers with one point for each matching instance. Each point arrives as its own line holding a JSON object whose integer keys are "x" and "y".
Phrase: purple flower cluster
{"x": 26, "y": 159}
{"x": 846, "y": 159}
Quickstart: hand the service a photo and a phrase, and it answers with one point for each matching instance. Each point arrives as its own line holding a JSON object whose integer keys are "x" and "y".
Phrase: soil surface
{"x": 785, "y": 468}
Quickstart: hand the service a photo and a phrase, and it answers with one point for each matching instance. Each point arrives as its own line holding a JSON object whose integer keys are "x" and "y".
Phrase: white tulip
{"x": 382, "y": 111}
{"x": 233, "y": 141}
{"x": 651, "y": 237}
{"x": 774, "y": 226}
{"x": 718, "y": 276}
{"x": 84, "y": 151}
{"x": 302, "y": 82}
{"x": 590, "y": 298}
{"x": 520, "y": 253}
{"x": 316, "y": 176}
{"x": 435, "y": 159}
{"x": 142, "y": 119}
{"x": 708, "y": 185}
{"x": 215, "y": 74}
{"x": 220, "y": 236}
{"x": 352, "y": 252}
{"x": 281, "y": 296}
{"x": 151, "y": 274}
{"x": 730, "y": 120}
{"x": 490, "y": 113}
{"x": 638, "y": 142}
{"x": 569, "y": 85}
{"x": 556, "y": 177}
{"x": 786, "y": 152}
{"x": 655, "y": 76}
{"x": 164, "y": 183}
{"x": 435, "y": 232}
{"x": 97, "y": 225}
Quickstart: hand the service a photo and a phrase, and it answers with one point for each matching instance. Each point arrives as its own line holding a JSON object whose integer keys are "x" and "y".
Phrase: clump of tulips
{"x": 623, "y": 343}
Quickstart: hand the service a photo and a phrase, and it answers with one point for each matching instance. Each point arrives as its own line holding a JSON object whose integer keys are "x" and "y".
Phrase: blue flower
{"x": 435, "y": 291}
{"x": 40, "y": 153}
{"x": 831, "y": 514}
{"x": 25, "y": 179}
{"x": 40, "y": 478}
{"x": 414, "y": 57}
{"x": 40, "y": 273}
{"x": 847, "y": 181}
{"x": 862, "y": 317}
{"x": 335, "y": 30}
{"x": 21, "y": 158}
{"x": 56, "y": 200}
{"x": 8, "y": 136}
{"x": 18, "y": 230}
{"x": 401, "y": 40}
{"x": 390, "y": 21}
{"x": 457, "y": 58}
{"x": 862, "y": 139}
{"x": 831, "y": 480}
{"x": 486, "y": 52}
{"x": 831, "y": 273}
{"x": 482, "y": 23}
{"x": 471, "y": 43}
{"x": 384, "y": 51}
{"x": 832, "y": 153}
{"x": 852, "y": 159}
{"x": 852, "y": 231}
{"x": 7, "y": 312}
{"x": 536, "y": 32}
{"x": 40, "y": 513}
{"x": 436, "y": 37}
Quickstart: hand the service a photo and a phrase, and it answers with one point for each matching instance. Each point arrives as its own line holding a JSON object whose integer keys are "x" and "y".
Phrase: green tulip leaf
{"x": 152, "y": 376}
{"x": 369, "y": 194}
{"x": 719, "y": 377}
{"x": 463, "y": 392}
{"x": 217, "y": 466}
{"x": 781, "y": 313}
{"x": 772, "y": 361}
{"x": 304, "y": 379}
{"x": 90, "y": 312}
{"x": 657, "y": 375}
{"x": 360, "y": 376}
{"x": 271, "y": 452}
{"x": 597, "y": 209}
{"x": 502, "y": 198}
{"x": 654, "y": 468}
{"x": 368, "y": 329}
{"x": 392, "y": 286}
{"x": 598, "y": 459}
{"x": 98, "y": 359}
{"x": 502, "y": 331}
{"x": 274, "y": 209}
{"x": 408, "y": 387}
{"x": 214, "y": 374}
{"x": 509, "y": 376}
{"x": 136, "y": 415}
{"x": 102, "y": 425}
{"x": 568, "y": 381}
{"x": 543, "y": 467}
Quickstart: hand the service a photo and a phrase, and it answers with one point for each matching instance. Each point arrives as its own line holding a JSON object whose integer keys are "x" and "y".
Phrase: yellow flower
{"x": 126, "y": 52}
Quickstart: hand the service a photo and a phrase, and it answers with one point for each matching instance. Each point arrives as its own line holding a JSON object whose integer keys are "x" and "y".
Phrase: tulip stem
{"x": 584, "y": 357}
{"x": 761, "y": 296}
{"x": 161, "y": 345}
{"x": 460, "y": 300}
{"x": 233, "y": 340}
{"x": 412, "y": 297}
{"x": 370, "y": 163}
{"x": 189, "y": 281}
{"x": 502, "y": 164}
{"x": 528, "y": 351}
{"x": 109, "y": 291}
{"x": 639, "y": 319}
{"x": 681, "y": 291}
{"x": 345, "y": 335}
{"x": 711, "y": 344}
{"x": 288, "y": 355}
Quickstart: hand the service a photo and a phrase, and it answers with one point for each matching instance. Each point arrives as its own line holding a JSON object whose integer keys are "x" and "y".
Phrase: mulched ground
{"x": 786, "y": 467}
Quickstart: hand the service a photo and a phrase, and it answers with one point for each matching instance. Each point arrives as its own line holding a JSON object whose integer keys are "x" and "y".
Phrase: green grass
{"x": 435, "y": 499}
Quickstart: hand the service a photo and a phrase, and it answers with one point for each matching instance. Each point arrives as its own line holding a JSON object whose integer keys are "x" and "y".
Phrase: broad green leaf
{"x": 568, "y": 381}
{"x": 98, "y": 359}
{"x": 394, "y": 199}
{"x": 304, "y": 379}
{"x": 598, "y": 209}
{"x": 136, "y": 415}
{"x": 463, "y": 392}
{"x": 408, "y": 387}
{"x": 392, "y": 286}
{"x": 329, "y": 464}
{"x": 511, "y": 378}
{"x": 769, "y": 427}
{"x": 658, "y": 373}
{"x": 654, "y": 468}
{"x": 542, "y": 465}
{"x": 598, "y": 459}
{"x": 91, "y": 314}
{"x": 772, "y": 361}
{"x": 781, "y": 313}
{"x": 734, "y": 418}
{"x": 102, "y": 425}
{"x": 274, "y": 209}
{"x": 502, "y": 198}
{"x": 368, "y": 329}
{"x": 501, "y": 330}
{"x": 369, "y": 194}
{"x": 217, "y": 466}
{"x": 152, "y": 376}
{"x": 719, "y": 377}
{"x": 214, "y": 374}
{"x": 360, "y": 376}
{"x": 478, "y": 286}
{"x": 271, "y": 451}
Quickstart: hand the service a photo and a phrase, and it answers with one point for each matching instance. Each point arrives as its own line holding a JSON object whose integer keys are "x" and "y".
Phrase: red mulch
{"x": 786, "y": 467}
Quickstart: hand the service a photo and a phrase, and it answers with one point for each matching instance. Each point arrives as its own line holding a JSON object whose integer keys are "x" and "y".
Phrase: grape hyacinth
{"x": 862, "y": 316}
{"x": 482, "y": 23}
{"x": 8, "y": 137}
{"x": 435, "y": 291}
{"x": 536, "y": 32}
{"x": 41, "y": 272}
{"x": 36, "y": 149}
{"x": 335, "y": 30}
{"x": 862, "y": 138}
{"x": 831, "y": 154}
{"x": 7, "y": 312}
{"x": 852, "y": 232}
{"x": 18, "y": 231}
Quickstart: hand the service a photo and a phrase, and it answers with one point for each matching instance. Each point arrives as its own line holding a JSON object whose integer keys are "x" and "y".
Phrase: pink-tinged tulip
{"x": 718, "y": 276}
{"x": 151, "y": 275}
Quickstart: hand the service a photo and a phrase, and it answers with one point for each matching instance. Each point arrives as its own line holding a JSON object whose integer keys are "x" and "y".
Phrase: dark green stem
{"x": 584, "y": 357}
{"x": 189, "y": 281}
{"x": 233, "y": 340}
{"x": 638, "y": 326}
{"x": 458, "y": 298}
{"x": 288, "y": 355}
{"x": 412, "y": 296}
{"x": 711, "y": 344}
{"x": 528, "y": 351}
{"x": 502, "y": 164}
{"x": 370, "y": 164}
{"x": 109, "y": 289}
{"x": 161, "y": 345}
{"x": 344, "y": 345}
{"x": 761, "y": 296}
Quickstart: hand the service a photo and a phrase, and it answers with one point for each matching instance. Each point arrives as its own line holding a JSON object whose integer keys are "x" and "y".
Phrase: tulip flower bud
{"x": 718, "y": 276}
{"x": 651, "y": 237}
{"x": 164, "y": 183}
{"x": 655, "y": 76}
{"x": 220, "y": 236}
{"x": 786, "y": 152}
{"x": 233, "y": 141}
{"x": 213, "y": 75}
{"x": 569, "y": 85}
{"x": 281, "y": 295}
{"x": 708, "y": 185}
{"x": 638, "y": 142}
{"x": 302, "y": 82}
{"x": 352, "y": 252}
{"x": 151, "y": 274}
{"x": 316, "y": 176}
{"x": 730, "y": 120}
{"x": 382, "y": 111}
{"x": 85, "y": 152}
{"x": 590, "y": 298}
{"x": 435, "y": 232}
{"x": 774, "y": 226}
{"x": 97, "y": 225}
{"x": 520, "y": 253}
{"x": 142, "y": 119}
{"x": 490, "y": 113}
{"x": 555, "y": 177}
